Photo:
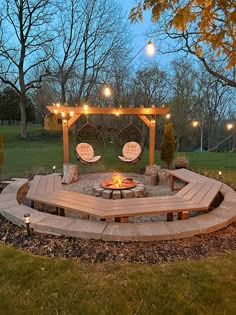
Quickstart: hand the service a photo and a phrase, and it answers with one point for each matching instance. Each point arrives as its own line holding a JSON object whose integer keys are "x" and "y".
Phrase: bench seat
{"x": 48, "y": 190}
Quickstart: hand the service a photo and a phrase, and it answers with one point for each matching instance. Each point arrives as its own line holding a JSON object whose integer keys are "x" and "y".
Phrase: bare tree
{"x": 215, "y": 101}
{"x": 24, "y": 47}
{"x": 184, "y": 98}
{"x": 89, "y": 33}
{"x": 149, "y": 86}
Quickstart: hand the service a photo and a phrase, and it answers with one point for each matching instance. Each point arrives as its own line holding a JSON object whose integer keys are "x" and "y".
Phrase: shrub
{"x": 168, "y": 145}
{"x": 181, "y": 162}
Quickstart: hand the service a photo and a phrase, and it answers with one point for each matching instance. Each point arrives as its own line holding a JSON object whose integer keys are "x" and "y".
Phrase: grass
{"x": 43, "y": 149}
{"x": 39, "y": 285}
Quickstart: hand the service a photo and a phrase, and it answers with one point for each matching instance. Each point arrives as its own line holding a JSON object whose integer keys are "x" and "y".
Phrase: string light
{"x": 106, "y": 91}
{"x": 150, "y": 48}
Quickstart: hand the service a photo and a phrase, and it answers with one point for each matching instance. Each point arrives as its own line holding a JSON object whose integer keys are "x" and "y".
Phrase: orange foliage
{"x": 213, "y": 22}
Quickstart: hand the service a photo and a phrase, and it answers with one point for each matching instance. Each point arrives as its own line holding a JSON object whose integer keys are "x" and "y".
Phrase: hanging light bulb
{"x": 150, "y": 48}
{"x": 107, "y": 91}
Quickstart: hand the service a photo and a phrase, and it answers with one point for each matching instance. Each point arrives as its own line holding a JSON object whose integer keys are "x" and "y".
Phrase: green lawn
{"x": 44, "y": 149}
{"x": 39, "y": 285}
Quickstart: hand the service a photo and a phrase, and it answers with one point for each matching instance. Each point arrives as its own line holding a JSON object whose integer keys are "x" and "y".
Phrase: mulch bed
{"x": 94, "y": 251}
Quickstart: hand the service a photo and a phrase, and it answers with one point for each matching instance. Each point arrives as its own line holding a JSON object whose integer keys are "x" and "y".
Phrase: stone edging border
{"x": 42, "y": 222}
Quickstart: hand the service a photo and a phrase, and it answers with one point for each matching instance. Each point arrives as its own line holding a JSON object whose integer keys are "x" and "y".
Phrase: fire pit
{"x": 119, "y": 187}
{"x": 118, "y": 182}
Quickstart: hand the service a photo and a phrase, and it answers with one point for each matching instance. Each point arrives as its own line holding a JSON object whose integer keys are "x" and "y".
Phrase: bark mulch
{"x": 93, "y": 251}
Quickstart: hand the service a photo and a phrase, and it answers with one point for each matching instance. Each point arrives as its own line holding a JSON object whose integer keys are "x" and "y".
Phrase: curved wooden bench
{"x": 112, "y": 231}
{"x": 47, "y": 190}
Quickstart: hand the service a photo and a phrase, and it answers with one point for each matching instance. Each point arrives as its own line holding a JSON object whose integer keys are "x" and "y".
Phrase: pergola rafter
{"x": 71, "y": 114}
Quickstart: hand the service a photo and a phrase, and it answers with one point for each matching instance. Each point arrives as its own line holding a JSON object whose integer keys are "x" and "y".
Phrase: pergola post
{"x": 152, "y": 133}
{"x": 65, "y": 130}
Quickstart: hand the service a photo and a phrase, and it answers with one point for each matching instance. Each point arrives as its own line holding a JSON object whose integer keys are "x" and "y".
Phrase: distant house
{"x": 52, "y": 122}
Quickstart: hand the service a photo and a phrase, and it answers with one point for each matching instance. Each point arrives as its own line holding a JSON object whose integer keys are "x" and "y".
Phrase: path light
{"x": 199, "y": 124}
{"x": 168, "y": 116}
{"x": 230, "y": 126}
{"x": 150, "y": 49}
{"x": 195, "y": 123}
{"x": 27, "y": 222}
{"x": 220, "y": 176}
{"x": 54, "y": 168}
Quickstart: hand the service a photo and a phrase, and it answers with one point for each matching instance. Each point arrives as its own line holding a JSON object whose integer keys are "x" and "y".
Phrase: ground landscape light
{"x": 27, "y": 222}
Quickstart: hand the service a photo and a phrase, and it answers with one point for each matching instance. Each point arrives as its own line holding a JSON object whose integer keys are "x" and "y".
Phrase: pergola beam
{"x": 109, "y": 110}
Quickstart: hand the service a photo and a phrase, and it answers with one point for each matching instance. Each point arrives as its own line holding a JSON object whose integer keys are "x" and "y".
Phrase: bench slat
{"x": 33, "y": 186}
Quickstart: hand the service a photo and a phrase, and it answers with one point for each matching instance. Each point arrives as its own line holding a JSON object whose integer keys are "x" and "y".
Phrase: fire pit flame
{"x": 118, "y": 182}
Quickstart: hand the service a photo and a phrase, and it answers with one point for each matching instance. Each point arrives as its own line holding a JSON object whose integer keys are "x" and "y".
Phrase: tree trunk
{"x": 221, "y": 142}
{"x": 23, "y": 130}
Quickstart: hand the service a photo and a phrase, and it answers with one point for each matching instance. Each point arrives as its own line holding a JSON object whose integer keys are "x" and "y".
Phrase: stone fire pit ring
{"x": 135, "y": 192}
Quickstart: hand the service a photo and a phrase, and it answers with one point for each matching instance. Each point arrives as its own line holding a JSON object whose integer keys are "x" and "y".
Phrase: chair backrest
{"x": 85, "y": 151}
{"x": 131, "y": 150}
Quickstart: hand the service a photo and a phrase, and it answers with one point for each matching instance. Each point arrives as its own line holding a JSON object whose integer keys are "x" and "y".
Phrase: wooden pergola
{"x": 71, "y": 114}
